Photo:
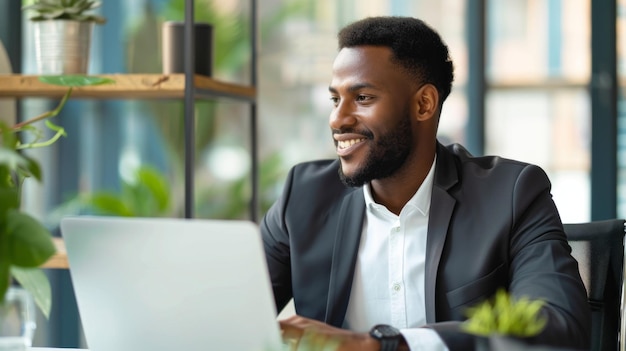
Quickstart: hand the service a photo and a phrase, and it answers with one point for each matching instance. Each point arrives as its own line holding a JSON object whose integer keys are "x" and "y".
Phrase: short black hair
{"x": 415, "y": 46}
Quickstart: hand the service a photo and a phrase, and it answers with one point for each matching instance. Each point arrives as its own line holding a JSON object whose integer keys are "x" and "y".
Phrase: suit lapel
{"x": 441, "y": 208}
{"x": 345, "y": 252}
{"x": 348, "y": 236}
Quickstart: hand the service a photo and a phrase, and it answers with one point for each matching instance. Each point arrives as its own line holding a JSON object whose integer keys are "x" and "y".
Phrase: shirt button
{"x": 396, "y": 287}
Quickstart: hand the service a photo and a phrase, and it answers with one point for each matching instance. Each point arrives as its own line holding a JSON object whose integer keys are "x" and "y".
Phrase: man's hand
{"x": 307, "y": 334}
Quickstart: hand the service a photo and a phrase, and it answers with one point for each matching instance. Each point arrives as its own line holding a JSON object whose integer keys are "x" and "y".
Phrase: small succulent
{"x": 64, "y": 10}
{"x": 506, "y": 315}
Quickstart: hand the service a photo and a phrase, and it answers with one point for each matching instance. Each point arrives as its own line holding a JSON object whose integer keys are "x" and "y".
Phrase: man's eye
{"x": 335, "y": 100}
{"x": 362, "y": 98}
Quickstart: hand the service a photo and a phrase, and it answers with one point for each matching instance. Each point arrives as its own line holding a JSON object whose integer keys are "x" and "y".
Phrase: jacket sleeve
{"x": 540, "y": 267}
{"x": 275, "y": 236}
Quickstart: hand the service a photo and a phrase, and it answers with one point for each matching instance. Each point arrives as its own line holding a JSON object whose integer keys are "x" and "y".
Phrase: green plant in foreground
{"x": 75, "y": 10}
{"x": 506, "y": 315}
{"x": 25, "y": 243}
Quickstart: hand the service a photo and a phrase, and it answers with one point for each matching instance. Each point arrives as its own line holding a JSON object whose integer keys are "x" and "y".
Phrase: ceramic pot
{"x": 173, "y": 48}
{"x": 498, "y": 342}
{"x": 17, "y": 320}
{"x": 62, "y": 46}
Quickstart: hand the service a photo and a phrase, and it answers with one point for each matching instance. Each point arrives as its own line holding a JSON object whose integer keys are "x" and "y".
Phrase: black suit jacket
{"x": 492, "y": 224}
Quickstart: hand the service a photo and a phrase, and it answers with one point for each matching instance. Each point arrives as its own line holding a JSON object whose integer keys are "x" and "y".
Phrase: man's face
{"x": 371, "y": 121}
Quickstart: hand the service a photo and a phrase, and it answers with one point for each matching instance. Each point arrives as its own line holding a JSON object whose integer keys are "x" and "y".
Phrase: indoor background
{"x": 535, "y": 80}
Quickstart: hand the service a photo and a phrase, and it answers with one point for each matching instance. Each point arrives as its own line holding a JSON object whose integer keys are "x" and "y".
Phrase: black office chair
{"x": 599, "y": 249}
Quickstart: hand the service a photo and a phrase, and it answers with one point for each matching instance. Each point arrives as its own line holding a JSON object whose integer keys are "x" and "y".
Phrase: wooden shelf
{"x": 127, "y": 86}
{"x": 59, "y": 260}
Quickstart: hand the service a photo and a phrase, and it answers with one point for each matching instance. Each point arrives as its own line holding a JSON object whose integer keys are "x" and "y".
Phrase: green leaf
{"x": 12, "y": 159}
{"x": 157, "y": 186}
{"x": 30, "y": 169}
{"x": 30, "y": 243}
{"x": 505, "y": 315}
{"x": 109, "y": 204}
{"x": 37, "y": 284}
{"x": 75, "y": 80}
{"x": 52, "y": 14}
{"x": 9, "y": 139}
{"x": 5, "y": 278}
{"x": 9, "y": 199}
{"x": 138, "y": 199}
{"x": 147, "y": 194}
{"x": 5, "y": 177}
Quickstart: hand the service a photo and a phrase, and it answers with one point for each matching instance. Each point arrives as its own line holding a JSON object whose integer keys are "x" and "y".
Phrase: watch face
{"x": 384, "y": 331}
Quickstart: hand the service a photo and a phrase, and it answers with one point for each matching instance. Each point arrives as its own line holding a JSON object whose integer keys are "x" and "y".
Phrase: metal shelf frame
{"x": 189, "y": 99}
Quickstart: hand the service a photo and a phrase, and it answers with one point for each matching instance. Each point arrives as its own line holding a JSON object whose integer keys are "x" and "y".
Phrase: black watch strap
{"x": 388, "y": 336}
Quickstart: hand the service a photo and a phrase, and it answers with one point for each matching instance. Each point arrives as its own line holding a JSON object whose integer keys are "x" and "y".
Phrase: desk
{"x": 59, "y": 259}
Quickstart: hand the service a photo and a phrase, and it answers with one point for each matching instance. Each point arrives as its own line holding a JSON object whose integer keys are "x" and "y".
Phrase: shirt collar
{"x": 420, "y": 200}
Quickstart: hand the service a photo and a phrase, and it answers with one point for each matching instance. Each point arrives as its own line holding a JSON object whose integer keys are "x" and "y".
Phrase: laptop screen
{"x": 170, "y": 284}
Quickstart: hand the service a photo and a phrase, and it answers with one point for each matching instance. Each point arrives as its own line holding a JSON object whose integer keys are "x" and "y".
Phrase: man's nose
{"x": 341, "y": 116}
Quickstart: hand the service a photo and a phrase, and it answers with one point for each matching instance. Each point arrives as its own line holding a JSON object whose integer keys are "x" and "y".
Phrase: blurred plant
{"x": 230, "y": 201}
{"x": 145, "y": 194}
{"x": 231, "y": 55}
{"x": 25, "y": 243}
{"x": 148, "y": 194}
{"x": 506, "y": 315}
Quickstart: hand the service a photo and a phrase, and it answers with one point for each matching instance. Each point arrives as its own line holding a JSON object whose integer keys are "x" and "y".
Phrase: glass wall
{"x": 538, "y": 105}
{"x": 297, "y": 47}
{"x": 621, "y": 107}
{"x": 295, "y": 70}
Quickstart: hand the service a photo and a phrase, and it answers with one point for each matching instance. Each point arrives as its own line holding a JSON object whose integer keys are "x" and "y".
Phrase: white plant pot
{"x": 62, "y": 46}
{"x": 17, "y": 320}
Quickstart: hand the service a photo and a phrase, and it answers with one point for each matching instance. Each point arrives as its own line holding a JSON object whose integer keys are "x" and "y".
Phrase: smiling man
{"x": 386, "y": 247}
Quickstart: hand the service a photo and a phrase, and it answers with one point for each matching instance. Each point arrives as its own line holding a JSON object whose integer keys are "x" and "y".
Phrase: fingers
{"x": 290, "y": 330}
{"x": 304, "y": 323}
{"x": 301, "y": 333}
{"x": 309, "y": 340}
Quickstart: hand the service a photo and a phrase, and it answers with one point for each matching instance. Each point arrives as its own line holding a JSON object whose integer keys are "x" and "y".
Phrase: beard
{"x": 387, "y": 155}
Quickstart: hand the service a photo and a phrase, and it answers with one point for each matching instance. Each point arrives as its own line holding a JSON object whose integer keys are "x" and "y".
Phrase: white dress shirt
{"x": 388, "y": 285}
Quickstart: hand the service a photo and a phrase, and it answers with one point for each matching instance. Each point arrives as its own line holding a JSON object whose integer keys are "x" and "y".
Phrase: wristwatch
{"x": 388, "y": 336}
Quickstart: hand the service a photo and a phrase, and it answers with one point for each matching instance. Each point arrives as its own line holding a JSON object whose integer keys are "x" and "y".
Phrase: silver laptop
{"x": 171, "y": 284}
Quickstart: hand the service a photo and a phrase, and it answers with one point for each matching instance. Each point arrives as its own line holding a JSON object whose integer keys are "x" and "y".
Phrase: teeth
{"x": 347, "y": 143}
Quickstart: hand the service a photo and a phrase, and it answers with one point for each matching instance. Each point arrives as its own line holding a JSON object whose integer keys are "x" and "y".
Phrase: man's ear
{"x": 426, "y": 100}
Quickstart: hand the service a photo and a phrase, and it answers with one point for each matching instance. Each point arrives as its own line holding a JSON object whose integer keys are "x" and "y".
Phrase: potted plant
{"x": 504, "y": 322}
{"x": 25, "y": 243}
{"x": 62, "y": 31}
